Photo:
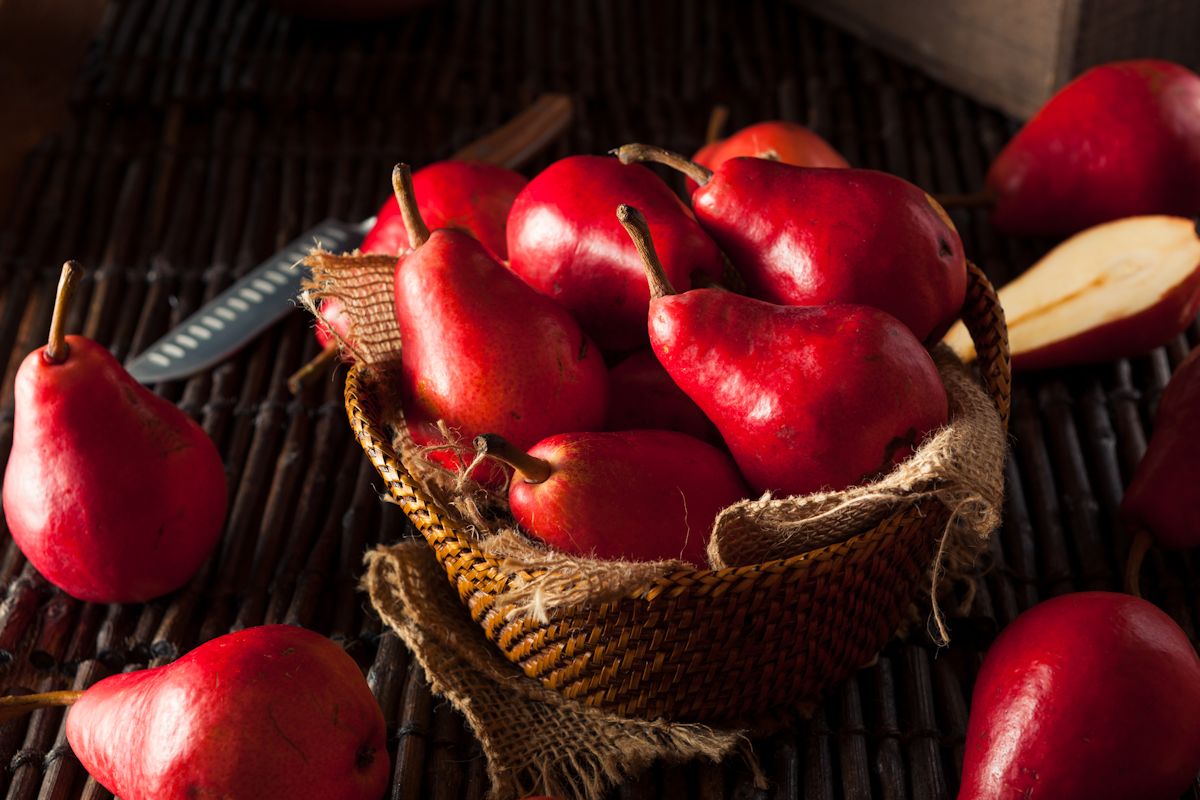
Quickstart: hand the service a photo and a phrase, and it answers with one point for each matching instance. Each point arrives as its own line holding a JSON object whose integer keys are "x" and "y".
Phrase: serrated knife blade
{"x": 267, "y": 293}
{"x": 252, "y": 304}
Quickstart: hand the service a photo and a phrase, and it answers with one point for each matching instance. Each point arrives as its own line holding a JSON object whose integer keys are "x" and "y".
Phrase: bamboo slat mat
{"x": 205, "y": 135}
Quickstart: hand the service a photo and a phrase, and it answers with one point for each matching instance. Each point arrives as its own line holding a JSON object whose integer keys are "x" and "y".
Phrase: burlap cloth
{"x": 535, "y": 741}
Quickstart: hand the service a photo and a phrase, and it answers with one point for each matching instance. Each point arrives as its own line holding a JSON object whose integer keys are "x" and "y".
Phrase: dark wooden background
{"x": 201, "y": 136}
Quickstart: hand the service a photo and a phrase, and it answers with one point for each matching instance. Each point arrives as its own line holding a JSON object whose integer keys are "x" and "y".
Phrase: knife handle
{"x": 517, "y": 141}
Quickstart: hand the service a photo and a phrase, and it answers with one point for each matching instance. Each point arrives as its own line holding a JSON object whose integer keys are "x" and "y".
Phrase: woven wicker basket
{"x": 719, "y": 646}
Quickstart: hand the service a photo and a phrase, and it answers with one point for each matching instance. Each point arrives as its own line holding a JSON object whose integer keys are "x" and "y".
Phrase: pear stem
{"x": 1133, "y": 563}
{"x": 406, "y": 196}
{"x": 629, "y": 153}
{"x": 984, "y": 198}
{"x": 19, "y": 705}
{"x": 716, "y": 123}
{"x": 531, "y": 468}
{"x": 57, "y": 348}
{"x": 639, "y": 230}
{"x": 302, "y": 377}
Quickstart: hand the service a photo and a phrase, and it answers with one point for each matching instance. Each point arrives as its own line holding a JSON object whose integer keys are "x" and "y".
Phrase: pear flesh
{"x": 1113, "y": 291}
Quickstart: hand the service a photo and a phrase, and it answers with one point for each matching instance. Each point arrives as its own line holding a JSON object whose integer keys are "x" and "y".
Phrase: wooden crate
{"x": 1013, "y": 54}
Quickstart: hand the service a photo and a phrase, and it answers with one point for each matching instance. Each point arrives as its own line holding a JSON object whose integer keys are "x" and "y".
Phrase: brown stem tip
{"x": 57, "y": 348}
{"x": 716, "y": 123}
{"x": 639, "y": 230}
{"x": 299, "y": 380}
{"x": 531, "y": 469}
{"x": 631, "y": 153}
{"x": 1133, "y": 564}
{"x": 406, "y": 196}
{"x": 19, "y": 705}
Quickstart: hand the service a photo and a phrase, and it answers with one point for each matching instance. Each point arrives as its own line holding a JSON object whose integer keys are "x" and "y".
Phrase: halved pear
{"x": 1116, "y": 290}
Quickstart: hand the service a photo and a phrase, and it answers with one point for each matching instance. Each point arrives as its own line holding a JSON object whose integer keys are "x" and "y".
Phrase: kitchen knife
{"x": 268, "y": 292}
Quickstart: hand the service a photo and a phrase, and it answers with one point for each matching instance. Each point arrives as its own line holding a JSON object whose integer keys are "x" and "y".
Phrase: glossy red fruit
{"x": 632, "y": 495}
{"x": 1089, "y": 696}
{"x": 802, "y": 236}
{"x": 111, "y": 492}
{"x": 785, "y": 384}
{"x": 470, "y": 196}
{"x": 1117, "y": 290}
{"x": 1164, "y": 495}
{"x": 785, "y": 415}
{"x": 564, "y": 242}
{"x": 1121, "y": 140}
{"x": 810, "y": 237}
{"x": 642, "y": 396}
{"x": 788, "y": 142}
{"x": 273, "y": 711}
{"x": 486, "y": 353}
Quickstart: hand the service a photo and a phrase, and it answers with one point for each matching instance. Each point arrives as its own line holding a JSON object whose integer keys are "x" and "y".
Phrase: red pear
{"x": 111, "y": 492}
{"x": 333, "y": 315}
{"x": 269, "y": 712}
{"x": 470, "y": 196}
{"x": 1121, "y": 140}
{"x": 643, "y": 396}
{"x": 483, "y": 352}
{"x": 788, "y": 142}
{"x": 563, "y": 241}
{"x": 1117, "y": 290}
{"x": 808, "y": 237}
{"x": 1089, "y": 696}
{"x": 464, "y": 192}
{"x": 1163, "y": 499}
{"x": 633, "y": 495}
{"x": 806, "y": 398}
{"x": 466, "y": 195}
{"x": 777, "y": 140}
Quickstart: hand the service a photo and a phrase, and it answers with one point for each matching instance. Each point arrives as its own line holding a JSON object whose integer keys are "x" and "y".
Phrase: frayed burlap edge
{"x": 527, "y": 730}
{"x": 535, "y": 742}
{"x": 961, "y": 465}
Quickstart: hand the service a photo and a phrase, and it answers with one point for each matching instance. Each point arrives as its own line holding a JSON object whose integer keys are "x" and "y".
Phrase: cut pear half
{"x": 1116, "y": 290}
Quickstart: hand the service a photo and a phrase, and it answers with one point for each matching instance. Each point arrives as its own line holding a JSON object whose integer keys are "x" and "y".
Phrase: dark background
{"x": 195, "y": 138}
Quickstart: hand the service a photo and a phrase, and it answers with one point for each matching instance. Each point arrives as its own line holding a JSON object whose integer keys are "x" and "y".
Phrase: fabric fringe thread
{"x": 535, "y": 740}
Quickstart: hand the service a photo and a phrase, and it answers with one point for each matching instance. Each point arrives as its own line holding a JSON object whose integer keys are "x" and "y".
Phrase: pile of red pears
{"x": 1096, "y": 695}
{"x": 1113, "y": 160}
{"x": 577, "y": 331}
{"x": 580, "y": 339}
{"x": 815, "y": 375}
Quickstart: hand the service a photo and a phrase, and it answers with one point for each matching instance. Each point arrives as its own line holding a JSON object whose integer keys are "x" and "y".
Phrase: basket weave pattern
{"x": 727, "y": 646}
